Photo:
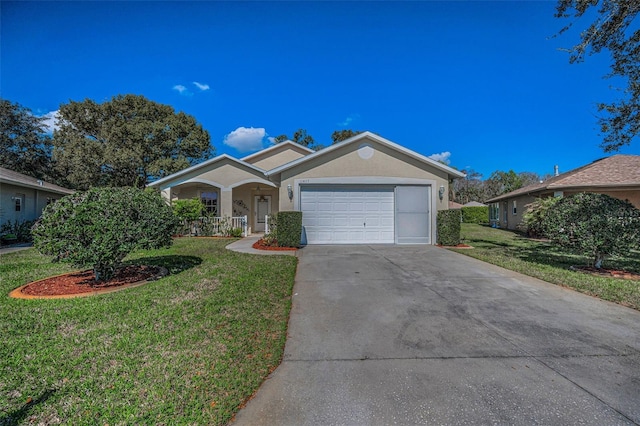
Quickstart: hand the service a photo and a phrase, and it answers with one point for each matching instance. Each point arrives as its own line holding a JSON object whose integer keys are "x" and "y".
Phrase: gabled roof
{"x": 474, "y": 204}
{"x": 204, "y": 165}
{"x": 376, "y": 138}
{"x": 15, "y": 178}
{"x": 617, "y": 171}
{"x": 275, "y": 147}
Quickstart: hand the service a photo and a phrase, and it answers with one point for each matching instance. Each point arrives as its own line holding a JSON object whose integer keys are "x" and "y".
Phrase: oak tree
{"x": 127, "y": 141}
{"x": 612, "y": 29}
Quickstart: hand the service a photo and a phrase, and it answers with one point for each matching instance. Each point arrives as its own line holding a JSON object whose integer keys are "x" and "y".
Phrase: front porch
{"x": 244, "y": 206}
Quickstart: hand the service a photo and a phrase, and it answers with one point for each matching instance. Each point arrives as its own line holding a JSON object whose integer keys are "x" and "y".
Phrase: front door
{"x": 262, "y": 205}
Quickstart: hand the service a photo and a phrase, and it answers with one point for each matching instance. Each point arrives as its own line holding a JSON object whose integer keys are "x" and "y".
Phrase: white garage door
{"x": 347, "y": 214}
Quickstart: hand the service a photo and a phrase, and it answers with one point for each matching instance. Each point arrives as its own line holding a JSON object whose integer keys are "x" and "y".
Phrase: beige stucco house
{"x": 365, "y": 189}
{"x": 23, "y": 197}
{"x": 617, "y": 176}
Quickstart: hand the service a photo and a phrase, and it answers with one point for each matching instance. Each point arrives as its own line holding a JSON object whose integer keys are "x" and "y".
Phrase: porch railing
{"x": 217, "y": 226}
{"x": 266, "y": 224}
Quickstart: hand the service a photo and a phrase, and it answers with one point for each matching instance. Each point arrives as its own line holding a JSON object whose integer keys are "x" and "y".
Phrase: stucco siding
{"x": 372, "y": 160}
{"x": 33, "y": 202}
{"x": 277, "y": 159}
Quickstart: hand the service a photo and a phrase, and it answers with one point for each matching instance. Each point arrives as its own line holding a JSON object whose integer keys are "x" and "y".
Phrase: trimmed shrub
{"x": 448, "y": 227}
{"x": 99, "y": 227}
{"x": 18, "y": 230}
{"x": 534, "y": 216}
{"x": 289, "y": 228}
{"x": 188, "y": 210}
{"x": 595, "y": 225}
{"x": 476, "y": 214}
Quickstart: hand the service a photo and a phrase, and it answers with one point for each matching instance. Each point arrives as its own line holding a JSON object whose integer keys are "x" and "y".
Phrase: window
{"x": 18, "y": 204}
{"x": 494, "y": 212}
{"x": 210, "y": 201}
{"x": 515, "y": 207}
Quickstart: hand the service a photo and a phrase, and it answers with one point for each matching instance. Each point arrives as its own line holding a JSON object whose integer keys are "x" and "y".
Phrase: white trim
{"x": 257, "y": 198}
{"x": 203, "y": 165}
{"x": 257, "y": 180}
{"x": 274, "y": 147}
{"x": 376, "y": 138}
{"x": 373, "y": 181}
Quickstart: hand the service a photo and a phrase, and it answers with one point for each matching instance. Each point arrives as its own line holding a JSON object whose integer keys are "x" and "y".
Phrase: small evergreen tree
{"x": 595, "y": 225}
{"x": 101, "y": 226}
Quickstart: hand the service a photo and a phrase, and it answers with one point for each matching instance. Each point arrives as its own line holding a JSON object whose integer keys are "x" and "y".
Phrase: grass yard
{"x": 547, "y": 262}
{"x": 189, "y": 348}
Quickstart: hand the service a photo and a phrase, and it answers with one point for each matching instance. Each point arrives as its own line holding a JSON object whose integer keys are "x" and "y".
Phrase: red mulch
{"x": 83, "y": 282}
{"x": 260, "y": 245}
{"x": 604, "y": 272}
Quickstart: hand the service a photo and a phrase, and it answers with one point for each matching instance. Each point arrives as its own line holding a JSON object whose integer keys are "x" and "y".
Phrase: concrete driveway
{"x": 383, "y": 335}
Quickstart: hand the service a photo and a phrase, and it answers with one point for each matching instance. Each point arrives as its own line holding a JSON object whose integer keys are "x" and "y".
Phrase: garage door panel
{"x": 333, "y": 215}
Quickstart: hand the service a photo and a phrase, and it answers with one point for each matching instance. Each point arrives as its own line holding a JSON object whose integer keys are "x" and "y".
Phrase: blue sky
{"x": 482, "y": 81}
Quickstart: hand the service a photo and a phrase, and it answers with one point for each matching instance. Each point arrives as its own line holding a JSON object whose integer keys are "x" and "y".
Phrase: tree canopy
{"x": 301, "y": 137}
{"x": 612, "y": 30}
{"x": 127, "y": 141}
{"x": 25, "y": 146}
{"x": 340, "y": 135}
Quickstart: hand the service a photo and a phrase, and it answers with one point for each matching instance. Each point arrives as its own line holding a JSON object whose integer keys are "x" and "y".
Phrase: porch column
{"x": 226, "y": 203}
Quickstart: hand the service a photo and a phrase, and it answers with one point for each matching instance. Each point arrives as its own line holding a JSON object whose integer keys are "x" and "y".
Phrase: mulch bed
{"x": 609, "y": 273}
{"x": 83, "y": 283}
{"x": 260, "y": 245}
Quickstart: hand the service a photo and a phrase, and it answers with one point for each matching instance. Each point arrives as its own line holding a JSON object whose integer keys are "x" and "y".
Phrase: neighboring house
{"x": 617, "y": 176}
{"x": 365, "y": 189}
{"x": 23, "y": 197}
{"x": 455, "y": 206}
{"x": 474, "y": 204}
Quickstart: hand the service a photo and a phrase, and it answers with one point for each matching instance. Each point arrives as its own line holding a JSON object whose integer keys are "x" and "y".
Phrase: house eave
{"x": 368, "y": 135}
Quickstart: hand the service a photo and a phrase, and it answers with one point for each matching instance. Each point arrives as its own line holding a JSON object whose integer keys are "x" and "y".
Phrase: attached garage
{"x": 365, "y": 214}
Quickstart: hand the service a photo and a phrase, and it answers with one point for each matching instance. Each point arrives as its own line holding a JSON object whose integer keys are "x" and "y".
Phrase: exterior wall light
{"x": 290, "y": 192}
{"x": 441, "y": 192}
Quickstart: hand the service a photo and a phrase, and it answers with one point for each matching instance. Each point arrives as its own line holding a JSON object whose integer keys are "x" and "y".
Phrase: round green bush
{"x": 98, "y": 228}
{"x": 595, "y": 225}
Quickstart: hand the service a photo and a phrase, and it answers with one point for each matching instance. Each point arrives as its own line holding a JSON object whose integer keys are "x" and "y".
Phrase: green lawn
{"x": 543, "y": 260}
{"x": 189, "y": 348}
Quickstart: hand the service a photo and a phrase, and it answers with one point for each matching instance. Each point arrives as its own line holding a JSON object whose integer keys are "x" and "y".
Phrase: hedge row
{"x": 289, "y": 226}
{"x": 478, "y": 214}
{"x": 448, "y": 227}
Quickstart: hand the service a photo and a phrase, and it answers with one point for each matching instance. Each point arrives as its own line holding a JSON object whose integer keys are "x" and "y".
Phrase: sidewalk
{"x": 15, "y": 247}
{"x": 245, "y": 245}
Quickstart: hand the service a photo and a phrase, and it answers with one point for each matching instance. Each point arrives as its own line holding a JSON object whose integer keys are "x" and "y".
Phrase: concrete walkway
{"x": 15, "y": 247}
{"x": 245, "y": 245}
{"x": 382, "y": 335}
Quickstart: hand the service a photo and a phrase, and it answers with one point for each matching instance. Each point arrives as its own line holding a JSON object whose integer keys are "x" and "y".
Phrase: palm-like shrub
{"x": 99, "y": 227}
{"x": 596, "y": 225}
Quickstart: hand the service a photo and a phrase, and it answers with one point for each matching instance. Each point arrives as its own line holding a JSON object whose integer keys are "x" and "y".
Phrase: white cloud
{"x": 442, "y": 157}
{"x": 180, "y": 89}
{"x": 201, "y": 86}
{"x": 246, "y": 139}
{"x": 50, "y": 119}
{"x": 350, "y": 119}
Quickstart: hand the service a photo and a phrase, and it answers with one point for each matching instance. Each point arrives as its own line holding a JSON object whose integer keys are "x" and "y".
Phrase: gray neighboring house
{"x": 617, "y": 176}
{"x": 23, "y": 197}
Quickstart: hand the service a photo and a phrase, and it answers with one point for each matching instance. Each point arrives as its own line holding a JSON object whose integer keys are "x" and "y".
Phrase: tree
{"x": 469, "y": 188}
{"x": 99, "y": 227}
{"x": 502, "y": 182}
{"x": 535, "y": 214}
{"x": 301, "y": 137}
{"x": 25, "y": 147}
{"x": 611, "y": 30}
{"x": 341, "y": 135}
{"x": 595, "y": 225}
{"x": 127, "y": 141}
